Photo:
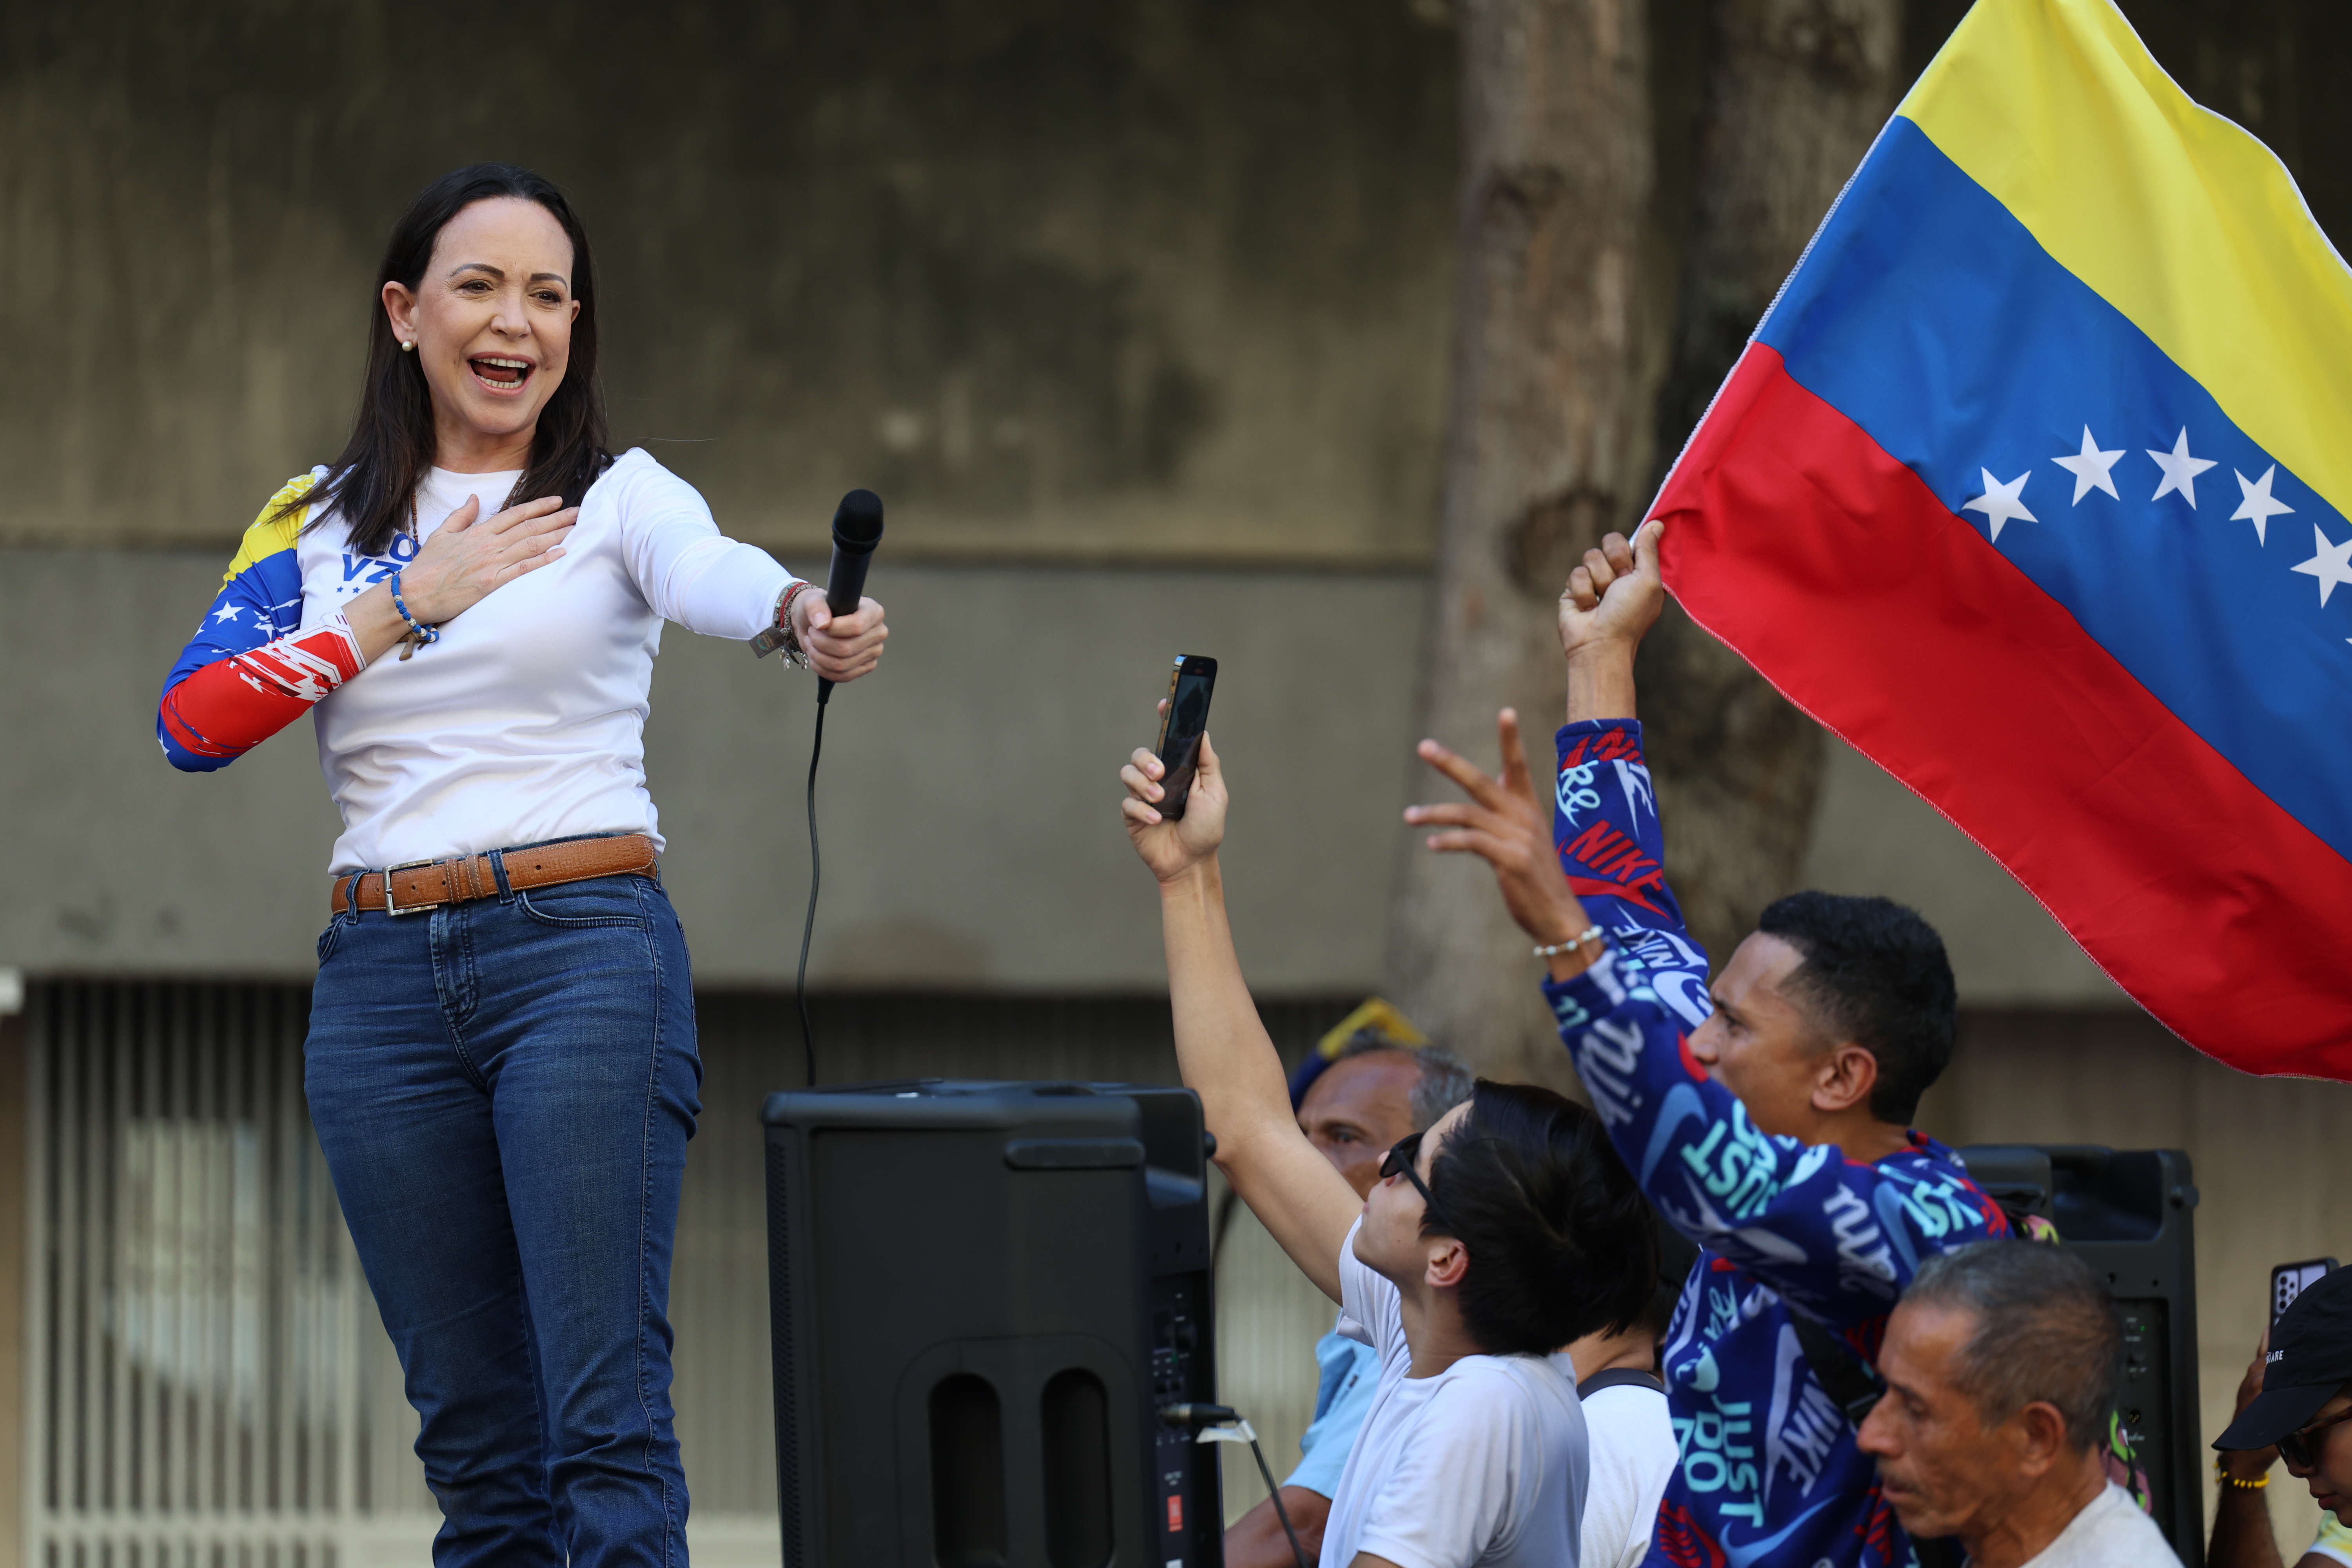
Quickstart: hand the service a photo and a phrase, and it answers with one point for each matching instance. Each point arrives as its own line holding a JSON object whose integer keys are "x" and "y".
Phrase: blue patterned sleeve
{"x": 1837, "y": 1237}
{"x": 1604, "y": 823}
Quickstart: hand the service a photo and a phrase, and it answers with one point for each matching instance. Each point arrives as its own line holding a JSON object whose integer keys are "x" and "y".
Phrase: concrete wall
{"x": 1157, "y": 280}
{"x": 967, "y": 797}
{"x": 1160, "y": 282}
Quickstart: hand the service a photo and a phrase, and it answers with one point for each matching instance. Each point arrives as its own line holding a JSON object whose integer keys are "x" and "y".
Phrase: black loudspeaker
{"x": 2127, "y": 1213}
{"x": 980, "y": 1297}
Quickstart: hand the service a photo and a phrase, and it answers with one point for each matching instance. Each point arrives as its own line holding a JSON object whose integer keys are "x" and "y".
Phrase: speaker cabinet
{"x": 981, "y": 1295}
{"x": 2127, "y": 1213}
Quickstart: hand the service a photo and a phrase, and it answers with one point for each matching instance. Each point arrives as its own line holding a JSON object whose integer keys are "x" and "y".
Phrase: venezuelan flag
{"x": 2033, "y": 485}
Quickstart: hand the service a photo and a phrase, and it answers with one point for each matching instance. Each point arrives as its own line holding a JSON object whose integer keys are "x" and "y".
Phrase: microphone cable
{"x": 808, "y": 926}
{"x": 856, "y": 529}
{"x": 1223, "y": 1424}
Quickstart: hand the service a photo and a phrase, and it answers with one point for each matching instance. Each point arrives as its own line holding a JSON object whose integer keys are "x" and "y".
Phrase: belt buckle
{"x": 390, "y": 871}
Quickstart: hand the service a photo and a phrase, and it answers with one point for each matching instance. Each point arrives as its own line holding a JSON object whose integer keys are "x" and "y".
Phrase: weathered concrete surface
{"x": 967, "y": 797}
{"x": 1156, "y": 281}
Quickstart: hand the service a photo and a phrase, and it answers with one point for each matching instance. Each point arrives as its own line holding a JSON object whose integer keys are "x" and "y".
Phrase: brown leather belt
{"x": 429, "y": 884}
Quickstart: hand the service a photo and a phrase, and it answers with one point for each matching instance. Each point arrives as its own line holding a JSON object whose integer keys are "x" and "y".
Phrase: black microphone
{"x": 856, "y": 529}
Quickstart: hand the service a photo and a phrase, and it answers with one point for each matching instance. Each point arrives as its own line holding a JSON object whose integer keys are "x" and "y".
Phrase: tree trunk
{"x": 1795, "y": 91}
{"x": 1544, "y": 441}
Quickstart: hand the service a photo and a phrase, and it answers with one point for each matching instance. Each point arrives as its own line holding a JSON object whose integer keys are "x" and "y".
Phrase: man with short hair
{"x": 1509, "y": 1228}
{"x": 2306, "y": 1404}
{"x": 1372, "y": 1093}
{"x": 2001, "y": 1366}
{"x": 1769, "y": 1126}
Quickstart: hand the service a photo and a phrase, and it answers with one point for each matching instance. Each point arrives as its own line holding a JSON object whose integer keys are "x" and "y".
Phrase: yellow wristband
{"x": 2234, "y": 1483}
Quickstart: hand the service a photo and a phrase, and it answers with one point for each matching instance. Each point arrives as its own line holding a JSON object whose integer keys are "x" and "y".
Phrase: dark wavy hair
{"x": 1875, "y": 973}
{"x": 1560, "y": 1240}
{"x": 391, "y": 447}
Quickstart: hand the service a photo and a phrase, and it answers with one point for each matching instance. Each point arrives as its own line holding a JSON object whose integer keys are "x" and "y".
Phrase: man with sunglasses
{"x": 1366, "y": 1090}
{"x": 1507, "y": 1230}
{"x": 1768, "y": 1121}
{"x": 2306, "y": 1404}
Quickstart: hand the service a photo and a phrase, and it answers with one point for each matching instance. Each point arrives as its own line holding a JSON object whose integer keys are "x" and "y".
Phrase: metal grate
{"x": 207, "y": 1382}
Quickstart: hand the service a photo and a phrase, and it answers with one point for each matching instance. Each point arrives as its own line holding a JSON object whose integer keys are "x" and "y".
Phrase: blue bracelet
{"x": 416, "y": 628}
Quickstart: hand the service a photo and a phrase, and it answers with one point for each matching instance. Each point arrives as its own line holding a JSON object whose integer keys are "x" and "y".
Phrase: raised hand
{"x": 1609, "y": 603}
{"x": 1506, "y": 824}
{"x": 840, "y": 647}
{"x": 2251, "y": 1464}
{"x": 1614, "y": 596}
{"x": 1172, "y": 848}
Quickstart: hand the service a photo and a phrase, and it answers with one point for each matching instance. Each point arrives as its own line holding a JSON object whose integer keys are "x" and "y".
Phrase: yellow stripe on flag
{"x": 2181, "y": 220}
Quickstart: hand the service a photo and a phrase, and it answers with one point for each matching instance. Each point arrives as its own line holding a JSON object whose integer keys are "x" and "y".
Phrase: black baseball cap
{"x": 2309, "y": 1362}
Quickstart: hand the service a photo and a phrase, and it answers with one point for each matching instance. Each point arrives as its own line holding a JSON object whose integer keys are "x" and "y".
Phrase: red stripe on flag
{"x": 1835, "y": 571}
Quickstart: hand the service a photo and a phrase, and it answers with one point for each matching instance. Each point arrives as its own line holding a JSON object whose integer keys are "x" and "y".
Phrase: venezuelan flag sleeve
{"x": 2032, "y": 486}
{"x": 250, "y": 669}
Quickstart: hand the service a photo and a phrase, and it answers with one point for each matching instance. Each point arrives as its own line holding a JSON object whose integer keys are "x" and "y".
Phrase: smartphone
{"x": 1189, "y": 686}
{"x": 2289, "y": 1280}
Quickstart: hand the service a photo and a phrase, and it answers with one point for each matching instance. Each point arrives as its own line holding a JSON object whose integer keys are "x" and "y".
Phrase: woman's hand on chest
{"x": 463, "y": 562}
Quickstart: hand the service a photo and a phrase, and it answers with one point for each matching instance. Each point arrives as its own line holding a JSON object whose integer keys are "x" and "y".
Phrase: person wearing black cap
{"x": 2243, "y": 1533}
{"x": 2305, "y": 1408}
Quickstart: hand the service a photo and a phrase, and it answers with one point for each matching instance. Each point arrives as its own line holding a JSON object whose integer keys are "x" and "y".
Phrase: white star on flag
{"x": 2091, "y": 468}
{"x": 2181, "y": 469}
{"x": 2332, "y": 565}
{"x": 2000, "y": 503}
{"x": 2259, "y": 506}
{"x": 228, "y": 614}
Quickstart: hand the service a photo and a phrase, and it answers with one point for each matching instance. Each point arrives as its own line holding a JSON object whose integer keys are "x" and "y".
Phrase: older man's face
{"x": 1356, "y": 1108}
{"x": 1943, "y": 1470}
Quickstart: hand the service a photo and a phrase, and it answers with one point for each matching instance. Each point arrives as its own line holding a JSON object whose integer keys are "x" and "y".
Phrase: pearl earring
{"x": 406, "y": 344}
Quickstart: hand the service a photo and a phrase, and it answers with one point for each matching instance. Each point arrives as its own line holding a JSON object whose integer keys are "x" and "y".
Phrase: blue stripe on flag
{"x": 1931, "y": 317}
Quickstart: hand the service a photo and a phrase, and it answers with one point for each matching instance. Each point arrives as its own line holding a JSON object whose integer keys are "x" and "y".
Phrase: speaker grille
{"x": 784, "y": 1356}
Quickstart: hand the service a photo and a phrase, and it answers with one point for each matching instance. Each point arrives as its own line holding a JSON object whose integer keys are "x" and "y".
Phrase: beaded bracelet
{"x": 418, "y": 632}
{"x": 795, "y": 654}
{"x": 2234, "y": 1483}
{"x": 1590, "y": 933}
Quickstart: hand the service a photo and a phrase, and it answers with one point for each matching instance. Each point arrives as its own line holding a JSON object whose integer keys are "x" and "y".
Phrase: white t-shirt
{"x": 1633, "y": 1451}
{"x": 1482, "y": 1463}
{"x": 2110, "y": 1532}
{"x": 526, "y": 722}
{"x": 2334, "y": 1541}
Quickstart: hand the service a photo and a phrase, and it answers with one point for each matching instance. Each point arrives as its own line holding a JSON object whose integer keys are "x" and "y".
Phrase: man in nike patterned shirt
{"x": 1768, "y": 1121}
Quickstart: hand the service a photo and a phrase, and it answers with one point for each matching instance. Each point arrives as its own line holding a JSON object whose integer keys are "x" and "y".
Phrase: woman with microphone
{"x": 501, "y": 1062}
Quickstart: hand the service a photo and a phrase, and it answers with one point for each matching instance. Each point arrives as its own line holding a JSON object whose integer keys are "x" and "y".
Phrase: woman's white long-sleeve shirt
{"x": 526, "y": 721}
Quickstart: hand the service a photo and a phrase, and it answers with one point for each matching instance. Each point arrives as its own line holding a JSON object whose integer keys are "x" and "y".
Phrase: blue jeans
{"x": 504, "y": 1090}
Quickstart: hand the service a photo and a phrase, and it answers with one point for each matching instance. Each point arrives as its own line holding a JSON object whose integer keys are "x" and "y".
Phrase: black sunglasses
{"x": 1399, "y": 1163}
{"x": 2297, "y": 1448}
